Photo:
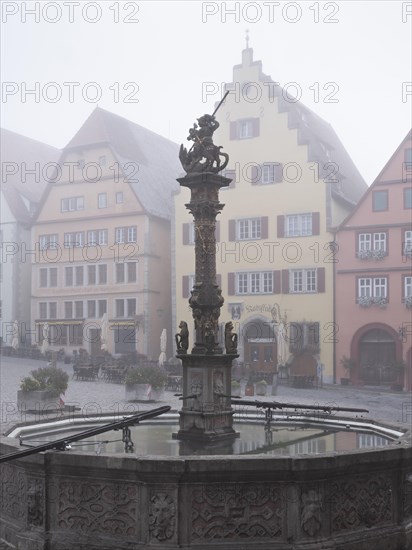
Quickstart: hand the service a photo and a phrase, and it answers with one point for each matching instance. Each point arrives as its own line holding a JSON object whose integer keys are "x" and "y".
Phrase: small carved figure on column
{"x": 230, "y": 338}
{"x": 182, "y": 338}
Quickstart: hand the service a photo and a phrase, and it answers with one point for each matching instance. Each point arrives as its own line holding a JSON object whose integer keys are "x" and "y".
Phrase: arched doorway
{"x": 260, "y": 349}
{"x": 377, "y": 357}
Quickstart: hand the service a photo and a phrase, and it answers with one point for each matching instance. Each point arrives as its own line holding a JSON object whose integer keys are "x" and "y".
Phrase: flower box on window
{"x": 378, "y": 254}
{"x": 380, "y": 301}
{"x": 364, "y": 254}
{"x": 365, "y": 301}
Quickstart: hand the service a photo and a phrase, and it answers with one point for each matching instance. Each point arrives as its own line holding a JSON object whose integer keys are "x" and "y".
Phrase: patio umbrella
{"x": 15, "y": 335}
{"x": 104, "y": 327}
{"x": 163, "y": 341}
{"x": 45, "y": 344}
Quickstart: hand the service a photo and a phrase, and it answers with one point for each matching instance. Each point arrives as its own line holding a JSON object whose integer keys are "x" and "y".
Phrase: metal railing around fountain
{"x": 63, "y": 443}
{"x": 270, "y": 406}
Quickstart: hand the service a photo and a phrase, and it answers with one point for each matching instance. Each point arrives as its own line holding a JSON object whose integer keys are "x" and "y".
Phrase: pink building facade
{"x": 373, "y": 281}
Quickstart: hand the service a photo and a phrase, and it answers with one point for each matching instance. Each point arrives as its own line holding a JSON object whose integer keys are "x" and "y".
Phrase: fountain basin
{"x": 341, "y": 499}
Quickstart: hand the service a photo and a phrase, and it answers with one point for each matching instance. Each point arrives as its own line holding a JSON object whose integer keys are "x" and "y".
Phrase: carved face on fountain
{"x": 162, "y": 516}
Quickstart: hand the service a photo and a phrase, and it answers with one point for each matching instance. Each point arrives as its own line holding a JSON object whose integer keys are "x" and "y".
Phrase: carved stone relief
{"x": 361, "y": 502}
{"x": 109, "y": 508}
{"x": 162, "y": 516}
{"x": 407, "y": 495}
{"x": 232, "y": 511}
{"x": 13, "y": 487}
{"x": 311, "y": 512}
{"x": 35, "y": 502}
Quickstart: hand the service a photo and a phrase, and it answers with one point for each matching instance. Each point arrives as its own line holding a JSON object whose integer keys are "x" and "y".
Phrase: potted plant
{"x": 235, "y": 388}
{"x": 348, "y": 364}
{"x": 249, "y": 388}
{"x": 399, "y": 368}
{"x": 145, "y": 383}
{"x": 42, "y": 389}
{"x": 261, "y": 387}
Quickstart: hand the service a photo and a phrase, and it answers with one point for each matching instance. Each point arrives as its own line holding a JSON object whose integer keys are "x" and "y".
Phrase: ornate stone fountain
{"x": 359, "y": 499}
{"x": 206, "y": 415}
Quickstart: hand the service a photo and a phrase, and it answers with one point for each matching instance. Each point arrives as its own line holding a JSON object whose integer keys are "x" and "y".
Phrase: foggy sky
{"x": 169, "y": 50}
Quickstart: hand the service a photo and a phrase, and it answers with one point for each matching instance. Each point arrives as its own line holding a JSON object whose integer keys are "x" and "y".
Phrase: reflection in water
{"x": 281, "y": 440}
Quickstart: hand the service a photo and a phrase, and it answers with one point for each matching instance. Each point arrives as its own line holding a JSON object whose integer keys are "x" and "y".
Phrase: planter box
{"x": 235, "y": 391}
{"x": 143, "y": 392}
{"x": 38, "y": 401}
{"x": 261, "y": 389}
{"x": 274, "y": 384}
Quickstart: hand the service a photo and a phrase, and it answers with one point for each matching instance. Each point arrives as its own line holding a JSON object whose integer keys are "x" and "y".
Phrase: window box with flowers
{"x": 378, "y": 254}
{"x": 365, "y": 301}
{"x": 364, "y": 254}
{"x": 380, "y": 301}
{"x": 368, "y": 301}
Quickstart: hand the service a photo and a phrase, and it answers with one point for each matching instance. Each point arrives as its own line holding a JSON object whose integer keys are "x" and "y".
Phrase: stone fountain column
{"x": 206, "y": 415}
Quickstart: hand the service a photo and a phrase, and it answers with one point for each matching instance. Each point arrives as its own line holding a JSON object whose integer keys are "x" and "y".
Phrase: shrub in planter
{"x": 261, "y": 387}
{"x": 349, "y": 365}
{"x": 235, "y": 388}
{"x": 145, "y": 383}
{"x": 50, "y": 379}
{"x": 42, "y": 389}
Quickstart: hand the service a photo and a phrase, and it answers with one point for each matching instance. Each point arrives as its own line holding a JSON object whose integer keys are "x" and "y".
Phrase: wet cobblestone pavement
{"x": 96, "y": 397}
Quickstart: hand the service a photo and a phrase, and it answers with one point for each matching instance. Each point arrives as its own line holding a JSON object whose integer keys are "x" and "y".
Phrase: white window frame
{"x": 127, "y": 234}
{"x": 407, "y": 244}
{"x": 379, "y": 241}
{"x": 74, "y": 239}
{"x": 373, "y": 287}
{"x": 128, "y": 312}
{"x": 75, "y": 302}
{"x": 365, "y": 241}
{"x": 75, "y": 281}
{"x": 132, "y": 234}
{"x": 43, "y": 310}
{"x": 79, "y": 280}
{"x": 268, "y": 173}
{"x": 245, "y": 129}
{"x": 72, "y": 204}
{"x": 191, "y": 233}
{"x": 255, "y": 282}
{"x": 407, "y": 286}
{"x": 50, "y": 305}
{"x": 102, "y": 200}
{"x": 65, "y": 307}
{"x": 303, "y": 281}
{"x": 248, "y": 229}
{"x": 119, "y": 197}
{"x": 48, "y": 271}
{"x": 100, "y": 313}
{"x": 49, "y": 241}
{"x": 94, "y": 302}
{"x": 299, "y": 225}
{"x": 98, "y": 268}
{"x": 126, "y": 274}
{"x": 97, "y": 237}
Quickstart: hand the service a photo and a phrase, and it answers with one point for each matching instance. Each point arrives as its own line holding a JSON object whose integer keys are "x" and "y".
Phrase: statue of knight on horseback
{"x": 204, "y": 155}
